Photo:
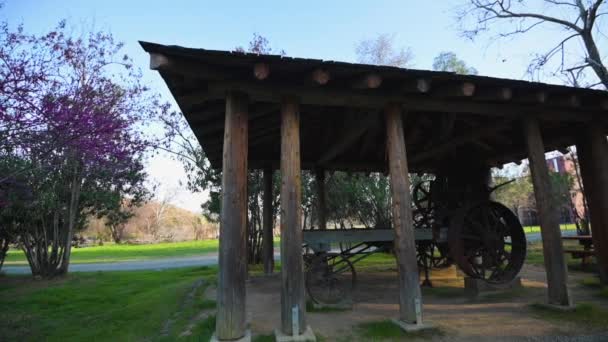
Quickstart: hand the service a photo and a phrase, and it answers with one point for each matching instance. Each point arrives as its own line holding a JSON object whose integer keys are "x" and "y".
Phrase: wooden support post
{"x": 410, "y": 301}
{"x": 548, "y": 215}
{"x": 231, "y": 318}
{"x": 292, "y": 272}
{"x": 267, "y": 236}
{"x": 593, "y": 157}
{"x": 321, "y": 205}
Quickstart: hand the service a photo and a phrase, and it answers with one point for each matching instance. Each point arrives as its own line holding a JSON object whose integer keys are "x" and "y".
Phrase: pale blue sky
{"x": 315, "y": 29}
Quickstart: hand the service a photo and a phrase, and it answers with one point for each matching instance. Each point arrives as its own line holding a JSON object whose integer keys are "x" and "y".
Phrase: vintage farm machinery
{"x": 455, "y": 222}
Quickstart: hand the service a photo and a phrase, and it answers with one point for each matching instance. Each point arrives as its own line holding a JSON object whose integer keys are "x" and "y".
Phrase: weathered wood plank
{"x": 231, "y": 317}
{"x": 548, "y": 211}
{"x": 410, "y": 298}
{"x": 292, "y": 270}
{"x": 593, "y": 157}
{"x": 267, "y": 236}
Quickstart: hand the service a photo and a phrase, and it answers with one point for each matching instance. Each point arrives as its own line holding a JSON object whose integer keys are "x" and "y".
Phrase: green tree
{"x": 448, "y": 61}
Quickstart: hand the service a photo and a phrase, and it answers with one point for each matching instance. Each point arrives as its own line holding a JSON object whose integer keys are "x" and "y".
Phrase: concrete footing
{"x": 246, "y": 338}
{"x": 307, "y": 336}
{"x": 474, "y": 287}
{"x": 412, "y": 327}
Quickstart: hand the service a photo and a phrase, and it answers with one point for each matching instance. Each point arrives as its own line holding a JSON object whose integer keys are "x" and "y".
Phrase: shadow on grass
{"x": 310, "y": 307}
{"x": 509, "y": 295}
{"x": 443, "y": 292}
{"x": 387, "y": 331}
{"x": 595, "y": 283}
{"x": 585, "y": 314}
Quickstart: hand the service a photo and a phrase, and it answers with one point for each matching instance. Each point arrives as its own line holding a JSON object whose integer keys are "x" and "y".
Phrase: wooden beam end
{"x": 261, "y": 71}
{"x": 468, "y": 89}
{"x": 158, "y": 61}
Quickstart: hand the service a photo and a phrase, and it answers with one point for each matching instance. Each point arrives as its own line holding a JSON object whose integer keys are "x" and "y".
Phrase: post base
{"x": 412, "y": 327}
{"x": 474, "y": 287}
{"x": 246, "y": 338}
{"x": 307, "y": 336}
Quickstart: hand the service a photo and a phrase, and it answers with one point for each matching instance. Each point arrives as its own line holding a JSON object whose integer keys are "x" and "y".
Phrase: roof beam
{"x": 419, "y": 85}
{"x": 493, "y": 94}
{"x": 369, "y": 81}
{"x": 331, "y": 97}
{"x": 464, "y": 89}
{"x": 351, "y": 134}
{"x": 457, "y": 142}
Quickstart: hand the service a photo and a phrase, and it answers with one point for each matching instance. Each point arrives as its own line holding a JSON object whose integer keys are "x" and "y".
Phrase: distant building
{"x": 563, "y": 164}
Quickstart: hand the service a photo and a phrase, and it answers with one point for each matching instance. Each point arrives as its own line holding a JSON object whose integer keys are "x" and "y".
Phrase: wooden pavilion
{"x": 267, "y": 112}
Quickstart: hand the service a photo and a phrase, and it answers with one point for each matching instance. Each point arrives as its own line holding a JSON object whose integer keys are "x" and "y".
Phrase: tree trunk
{"x": 595, "y": 59}
{"x": 73, "y": 211}
{"x": 321, "y": 196}
{"x": 3, "y": 249}
{"x": 267, "y": 236}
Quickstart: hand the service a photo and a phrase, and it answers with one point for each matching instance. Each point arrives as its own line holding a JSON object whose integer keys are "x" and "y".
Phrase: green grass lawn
{"x": 536, "y": 229}
{"x": 127, "y": 252}
{"x": 124, "y": 252}
{"x": 105, "y": 306}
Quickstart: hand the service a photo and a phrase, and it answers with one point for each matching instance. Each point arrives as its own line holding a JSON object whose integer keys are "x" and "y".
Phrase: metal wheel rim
{"x": 330, "y": 279}
{"x": 488, "y": 242}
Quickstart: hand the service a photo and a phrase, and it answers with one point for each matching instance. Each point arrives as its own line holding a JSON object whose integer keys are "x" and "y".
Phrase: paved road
{"x": 166, "y": 263}
{"x": 158, "y": 264}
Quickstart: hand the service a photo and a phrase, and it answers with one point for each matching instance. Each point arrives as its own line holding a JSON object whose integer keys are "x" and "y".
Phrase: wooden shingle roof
{"x": 448, "y": 116}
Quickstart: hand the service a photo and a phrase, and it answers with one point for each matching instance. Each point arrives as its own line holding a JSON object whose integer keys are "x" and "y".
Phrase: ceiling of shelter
{"x": 447, "y": 117}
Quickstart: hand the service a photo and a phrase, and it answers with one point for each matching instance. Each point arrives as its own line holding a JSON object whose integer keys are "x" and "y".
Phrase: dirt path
{"x": 459, "y": 318}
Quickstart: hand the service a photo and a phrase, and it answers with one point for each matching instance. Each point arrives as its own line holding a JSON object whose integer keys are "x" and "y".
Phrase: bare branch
{"x": 504, "y": 11}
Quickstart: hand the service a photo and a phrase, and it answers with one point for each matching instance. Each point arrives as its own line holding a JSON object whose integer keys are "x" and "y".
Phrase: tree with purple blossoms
{"x": 72, "y": 111}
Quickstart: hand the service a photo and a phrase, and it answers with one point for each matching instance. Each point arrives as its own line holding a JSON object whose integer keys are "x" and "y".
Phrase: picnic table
{"x": 584, "y": 254}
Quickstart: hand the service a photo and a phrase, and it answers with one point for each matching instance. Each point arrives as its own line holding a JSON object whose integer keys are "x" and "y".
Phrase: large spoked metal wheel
{"x": 431, "y": 255}
{"x": 487, "y": 242}
{"x": 423, "y": 213}
{"x": 330, "y": 278}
